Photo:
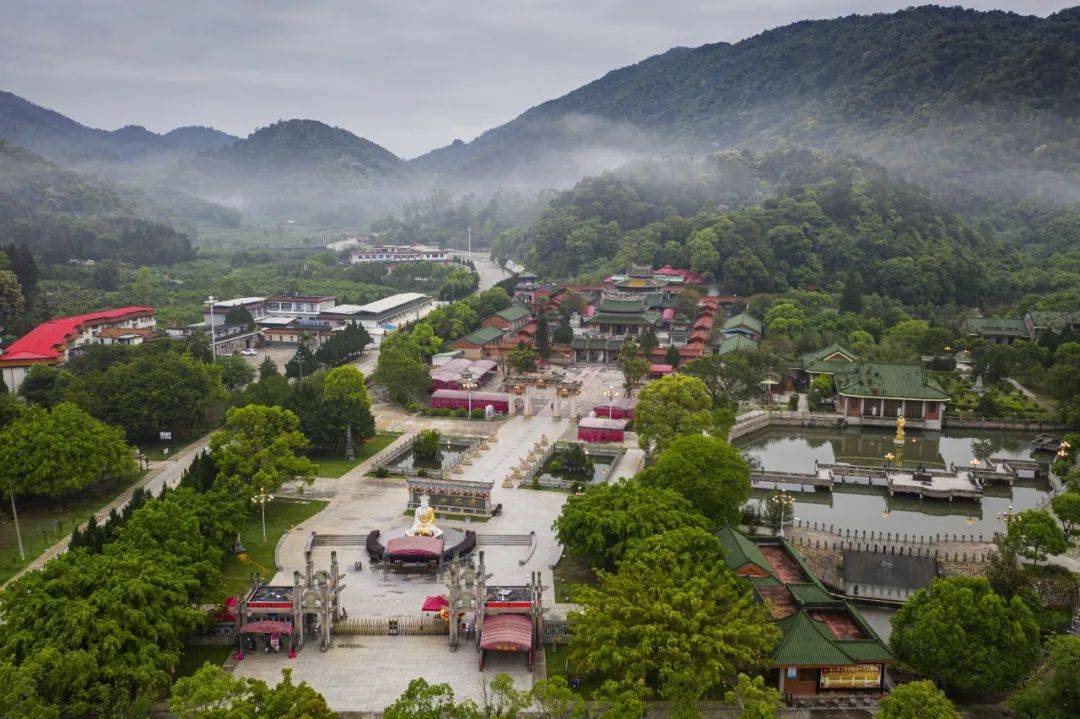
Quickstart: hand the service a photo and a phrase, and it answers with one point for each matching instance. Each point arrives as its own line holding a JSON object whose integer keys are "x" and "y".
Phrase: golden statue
{"x": 899, "y": 439}
{"x": 424, "y": 521}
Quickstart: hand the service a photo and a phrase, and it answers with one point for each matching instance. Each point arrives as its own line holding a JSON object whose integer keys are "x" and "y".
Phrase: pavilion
{"x": 875, "y": 393}
{"x": 622, "y": 317}
{"x": 826, "y": 646}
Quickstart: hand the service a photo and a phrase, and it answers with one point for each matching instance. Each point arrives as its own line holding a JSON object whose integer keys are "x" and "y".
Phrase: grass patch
{"x": 333, "y": 466}
{"x": 558, "y": 663}
{"x": 155, "y": 450}
{"x": 44, "y": 522}
{"x": 570, "y": 576}
{"x": 194, "y": 656}
{"x": 281, "y": 515}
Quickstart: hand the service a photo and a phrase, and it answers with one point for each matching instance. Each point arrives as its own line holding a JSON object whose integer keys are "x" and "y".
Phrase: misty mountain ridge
{"x": 946, "y": 95}
{"x": 62, "y": 139}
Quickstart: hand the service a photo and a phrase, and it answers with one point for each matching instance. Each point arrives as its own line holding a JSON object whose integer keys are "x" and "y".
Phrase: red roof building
{"x": 50, "y": 342}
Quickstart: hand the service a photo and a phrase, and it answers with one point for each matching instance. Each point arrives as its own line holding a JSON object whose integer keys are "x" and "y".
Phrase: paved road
{"x": 160, "y": 474}
{"x": 489, "y": 272}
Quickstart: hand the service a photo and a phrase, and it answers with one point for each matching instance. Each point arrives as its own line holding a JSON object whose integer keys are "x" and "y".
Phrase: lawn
{"x": 570, "y": 575}
{"x": 155, "y": 450}
{"x": 281, "y": 515}
{"x": 334, "y": 466}
{"x": 195, "y": 655}
{"x": 44, "y": 521}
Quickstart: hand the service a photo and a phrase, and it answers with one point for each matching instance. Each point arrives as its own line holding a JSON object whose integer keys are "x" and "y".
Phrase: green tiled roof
{"x": 640, "y": 318}
{"x": 806, "y": 643}
{"x": 1055, "y": 321}
{"x": 483, "y": 336}
{"x": 994, "y": 326}
{"x": 866, "y": 650}
{"x": 889, "y": 380}
{"x": 811, "y": 594}
{"x": 611, "y": 304}
{"x": 829, "y": 360}
{"x": 736, "y": 343}
{"x": 513, "y": 313}
{"x": 743, "y": 320}
{"x": 739, "y": 550}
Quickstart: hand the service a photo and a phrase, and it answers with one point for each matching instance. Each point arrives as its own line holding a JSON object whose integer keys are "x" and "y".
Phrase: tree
{"x": 240, "y": 315}
{"x": 19, "y": 698}
{"x": 267, "y": 368}
{"x": 199, "y": 347}
{"x": 44, "y": 385}
{"x": 50, "y": 453}
{"x": 145, "y": 288}
{"x": 401, "y": 369}
{"x": 672, "y": 356}
{"x": 11, "y": 293}
{"x": 1005, "y": 573}
{"x": 965, "y": 636}
{"x": 648, "y": 342}
{"x": 158, "y": 390}
{"x": 523, "y": 358}
{"x": 212, "y": 693}
{"x": 708, "y": 472}
{"x": 851, "y": 295}
{"x": 564, "y": 333}
{"x": 754, "y": 698}
{"x": 1067, "y": 508}
{"x": 634, "y": 367}
{"x": 303, "y": 362}
{"x": 346, "y": 397}
{"x": 430, "y": 701}
{"x": 1034, "y": 533}
{"x": 543, "y": 345}
{"x": 679, "y": 623}
{"x": 600, "y": 524}
{"x": 425, "y": 338}
{"x": 1057, "y": 694}
{"x": 916, "y": 700}
{"x": 236, "y": 373}
{"x": 728, "y": 378}
{"x": 257, "y": 449}
{"x": 902, "y": 340}
{"x": 554, "y": 699}
{"x": 669, "y": 407}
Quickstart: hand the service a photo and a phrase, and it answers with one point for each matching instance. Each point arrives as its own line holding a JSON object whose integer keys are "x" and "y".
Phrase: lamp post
{"x": 610, "y": 394}
{"x": 783, "y": 502}
{"x": 213, "y": 329}
{"x": 468, "y": 385}
{"x": 15, "y": 517}
{"x": 1063, "y": 450}
{"x": 1007, "y": 517}
{"x": 262, "y": 498}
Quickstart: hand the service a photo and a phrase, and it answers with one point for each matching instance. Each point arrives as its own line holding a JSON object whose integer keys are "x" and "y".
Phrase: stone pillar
{"x": 528, "y": 402}
{"x": 573, "y": 406}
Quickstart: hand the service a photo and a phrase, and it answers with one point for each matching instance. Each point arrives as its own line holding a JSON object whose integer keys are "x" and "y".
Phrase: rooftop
{"x": 994, "y": 326}
{"x": 391, "y": 302}
{"x": 890, "y": 380}
{"x": 483, "y": 336}
{"x": 831, "y": 359}
{"x": 513, "y": 313}
{"x": 743, "y": 320}
{"x": 46, "y": 341}
{"x": 736, "y": 343}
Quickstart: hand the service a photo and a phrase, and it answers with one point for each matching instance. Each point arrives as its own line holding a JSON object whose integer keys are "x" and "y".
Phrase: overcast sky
{"x": 411, "y": 75}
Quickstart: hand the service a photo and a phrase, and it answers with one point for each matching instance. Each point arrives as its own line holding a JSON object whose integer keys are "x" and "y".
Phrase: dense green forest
{"x": 61, "y": 215}
{"x": 960, "y": 99}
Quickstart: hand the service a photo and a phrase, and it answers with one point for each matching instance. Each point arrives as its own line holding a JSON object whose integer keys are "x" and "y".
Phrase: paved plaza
{"x": 365, "y": 673}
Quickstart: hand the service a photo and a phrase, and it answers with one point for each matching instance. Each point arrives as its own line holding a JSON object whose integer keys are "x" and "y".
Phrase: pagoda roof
{"x": 1054, "y": 321}
{"x": 612, "y": 318}
{"x": 736, "y": 343}
{"x": 483, "y": 336}
{"x": 512, "y": 313}
{"x": 740, "y": 550}
{"x": 617, "y": 304}
{"x": 889, "y": 380}
{"x": 834, "y": 358}
{"x": 994, "y": 326}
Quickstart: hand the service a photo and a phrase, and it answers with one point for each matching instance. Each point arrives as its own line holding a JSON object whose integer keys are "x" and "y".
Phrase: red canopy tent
{"x": 434, "y": 604}
{"x": 414, "y": 548}
{"x": 507, "y": 633}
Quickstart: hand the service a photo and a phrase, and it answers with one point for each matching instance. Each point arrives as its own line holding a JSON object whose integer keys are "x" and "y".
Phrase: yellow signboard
{"x": 855, "y": 676}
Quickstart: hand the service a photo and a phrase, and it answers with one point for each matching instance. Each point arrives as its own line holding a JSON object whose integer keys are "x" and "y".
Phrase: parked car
{"x": 249, "y": 352}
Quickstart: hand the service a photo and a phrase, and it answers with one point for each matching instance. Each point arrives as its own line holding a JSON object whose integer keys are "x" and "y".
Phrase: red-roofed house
{"x": 50, "y": 342}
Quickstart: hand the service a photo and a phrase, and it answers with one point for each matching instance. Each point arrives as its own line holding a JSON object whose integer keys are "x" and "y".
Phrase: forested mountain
{"x": 59, "y": 215}
{"x": 64, "y": 140}
{"x": 789, "y": 219}
{"x": 306, "y": 148}
{"x": 954, "y": 97}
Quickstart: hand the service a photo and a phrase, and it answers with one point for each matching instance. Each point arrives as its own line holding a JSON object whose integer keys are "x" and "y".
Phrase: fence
{"x": 392, "y": 626}
{"x": 912, "y": 545}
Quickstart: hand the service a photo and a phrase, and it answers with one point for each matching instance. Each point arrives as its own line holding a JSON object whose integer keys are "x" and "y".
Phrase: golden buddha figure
{"x": 424, "y": 520}
{"x": 899, "y": 439}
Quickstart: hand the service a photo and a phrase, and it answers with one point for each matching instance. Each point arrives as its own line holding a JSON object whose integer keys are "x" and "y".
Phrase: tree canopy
{"x": 707, "y": 471}
{"x": 671, "y": 407}
{"x": 257, "y": 448}
{"x": 212, "y": 693}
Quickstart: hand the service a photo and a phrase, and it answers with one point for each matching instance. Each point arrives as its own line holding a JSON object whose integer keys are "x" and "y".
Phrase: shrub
{"x": 459, "y": 412}
{"x": 477, "y": 414}
{"x": 381, "y": 471}
{"x": 793, "y": 402}
{"x": 414, "y": 407}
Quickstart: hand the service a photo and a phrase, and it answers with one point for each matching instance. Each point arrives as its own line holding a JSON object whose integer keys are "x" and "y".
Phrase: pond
{"x": 859, "y": 507}
{"x": 554, "y": 469}
{"x": 451, "y": 452}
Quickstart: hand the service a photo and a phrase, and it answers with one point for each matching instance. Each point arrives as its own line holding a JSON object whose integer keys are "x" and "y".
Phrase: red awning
{"x": 661, "y": 368}
{"x": 402, "y": 547}
{"x": 267, "y": 626}
{"x": 507, "y": 633}
{"x": 434, "y": 604}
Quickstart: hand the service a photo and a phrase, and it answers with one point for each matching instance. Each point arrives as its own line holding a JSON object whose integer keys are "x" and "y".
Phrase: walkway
{"x": 1031, "y": 395}
{"x": 162, "y": 473}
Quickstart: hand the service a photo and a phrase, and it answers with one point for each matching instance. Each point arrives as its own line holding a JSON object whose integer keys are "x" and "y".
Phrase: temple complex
{"x": 875, "y": 393}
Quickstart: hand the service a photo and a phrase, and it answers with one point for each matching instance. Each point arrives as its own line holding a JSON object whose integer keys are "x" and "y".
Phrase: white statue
{"x": 424, "y": 521}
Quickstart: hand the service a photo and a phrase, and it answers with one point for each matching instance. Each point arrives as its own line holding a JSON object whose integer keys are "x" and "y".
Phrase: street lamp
{"x": 1063, "y": 450}
{"x": 468, "y": 385}
{"x": 213, "y": 329}
{"x": 262, "y": 498}
{"x": 610, "y": 394}
{"x": 783, "y": 502}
